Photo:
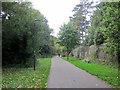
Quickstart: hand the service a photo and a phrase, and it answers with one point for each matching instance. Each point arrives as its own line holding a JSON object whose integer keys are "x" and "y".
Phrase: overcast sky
{"x": 57, "y": 12}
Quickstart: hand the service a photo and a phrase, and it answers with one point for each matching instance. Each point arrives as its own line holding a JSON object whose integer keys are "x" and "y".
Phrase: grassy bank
{"x": 110, "y": 75}
{"x": 27, "y": 77}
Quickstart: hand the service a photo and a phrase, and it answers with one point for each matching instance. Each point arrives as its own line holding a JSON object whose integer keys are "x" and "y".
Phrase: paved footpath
{"x": 65, "y": 75}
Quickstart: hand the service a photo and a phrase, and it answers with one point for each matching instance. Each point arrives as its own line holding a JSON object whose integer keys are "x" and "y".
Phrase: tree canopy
{"x": 25, "y": 31}
{"x": 68, "y": 37}
{"x": 104, "y": 26}
{"x": 101, "y": 28}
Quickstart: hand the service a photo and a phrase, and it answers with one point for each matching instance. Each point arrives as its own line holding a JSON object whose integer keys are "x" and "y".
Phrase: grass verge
{"x": 27, "y": 77}
{"x": 110, "y": 75}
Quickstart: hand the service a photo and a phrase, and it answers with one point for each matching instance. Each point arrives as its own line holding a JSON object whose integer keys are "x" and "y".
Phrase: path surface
{"x": 65, "y": 75}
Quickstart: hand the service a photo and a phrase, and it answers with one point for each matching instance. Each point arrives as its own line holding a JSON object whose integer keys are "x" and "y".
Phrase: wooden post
{"x": 67, "y": 54}
{"x": 34, "y": 60}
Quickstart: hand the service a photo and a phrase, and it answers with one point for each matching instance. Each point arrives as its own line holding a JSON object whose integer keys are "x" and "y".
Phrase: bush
{"x": 81, "y": 58}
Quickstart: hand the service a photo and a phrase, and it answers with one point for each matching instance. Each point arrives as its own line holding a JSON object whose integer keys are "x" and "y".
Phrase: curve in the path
{"x": 65, "y": 75}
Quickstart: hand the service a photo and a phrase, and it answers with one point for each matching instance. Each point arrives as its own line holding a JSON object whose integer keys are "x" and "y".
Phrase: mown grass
{"x": 110, "y": 75}
{"x": 27, "y": 77}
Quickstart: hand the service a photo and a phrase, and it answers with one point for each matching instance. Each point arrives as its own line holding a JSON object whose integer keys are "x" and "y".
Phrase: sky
{"x": 57, "y": 12}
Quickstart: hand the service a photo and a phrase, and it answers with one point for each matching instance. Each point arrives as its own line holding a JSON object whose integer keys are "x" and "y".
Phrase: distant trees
{"x": 22, "y": 34}
{"x": 68, "y": 37}
{"x": 80, "y": 18}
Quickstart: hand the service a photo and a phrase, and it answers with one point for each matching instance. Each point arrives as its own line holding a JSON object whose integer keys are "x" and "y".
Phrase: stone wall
{"x": 94, "y": 51}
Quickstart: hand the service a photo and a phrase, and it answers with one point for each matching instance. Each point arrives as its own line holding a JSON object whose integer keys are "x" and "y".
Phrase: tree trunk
{"x": 67, "y": 54}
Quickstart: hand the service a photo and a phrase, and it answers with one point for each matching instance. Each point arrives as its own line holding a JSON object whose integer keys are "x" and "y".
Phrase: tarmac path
{"x": 65, "y": 75}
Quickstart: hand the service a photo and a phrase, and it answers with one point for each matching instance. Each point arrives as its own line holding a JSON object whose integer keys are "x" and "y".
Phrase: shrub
{"x": 81, "y": 58}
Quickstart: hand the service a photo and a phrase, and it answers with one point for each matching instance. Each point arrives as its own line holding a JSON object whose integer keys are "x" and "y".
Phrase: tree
{"x": 79, "y": 19}
{"x": 68, "y": 37}
{"x": 110, "y": 23}
{"x": 22, "y": 35}
{"x": 104, "y": 26}
{"x": 95, "y": 34}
